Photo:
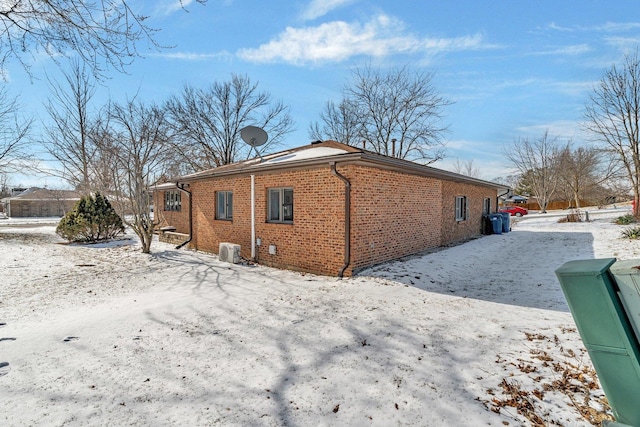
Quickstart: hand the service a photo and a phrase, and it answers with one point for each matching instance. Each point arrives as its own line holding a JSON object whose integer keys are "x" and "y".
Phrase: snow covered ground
{"x": 465, "y": 336}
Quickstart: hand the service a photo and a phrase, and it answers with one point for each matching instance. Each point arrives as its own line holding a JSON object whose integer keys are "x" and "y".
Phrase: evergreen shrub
{"x": 92, "y": 219}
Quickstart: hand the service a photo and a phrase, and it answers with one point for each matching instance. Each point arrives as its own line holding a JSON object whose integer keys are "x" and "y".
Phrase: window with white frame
{"x": 224, "y": 205}
{"x": 280, "y": 205}
{"x": 172, "y": 200}
{"x": 486, "y": 206}
{"x": 461, "y": 208}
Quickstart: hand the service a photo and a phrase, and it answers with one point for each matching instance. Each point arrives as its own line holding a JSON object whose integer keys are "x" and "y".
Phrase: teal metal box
{"x": 594, "y": 299}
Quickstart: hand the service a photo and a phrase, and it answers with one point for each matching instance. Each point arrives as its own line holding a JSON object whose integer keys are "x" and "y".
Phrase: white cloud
{"x": 564, "y": 129}
{"x": 606, "y": 27}
{"x": 192, "y": 56}
{"x": 318, "y": 8}
{"x": 169, "y": 7}
{"x": 618, "y": 26}
{"x": 566, "y": 50}
{"x": 338, "y": 40}
{"x": 574, "y": 88}
{"x": 623, "y": 43}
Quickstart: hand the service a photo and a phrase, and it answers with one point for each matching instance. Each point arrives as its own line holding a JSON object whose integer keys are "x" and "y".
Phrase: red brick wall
{"x": 313, "y": 243}
{"x": 454, "y": 231}
{"x": 209, "y": 232}
{"x": 393, "y": 214}
{"x": 178, "y": 219}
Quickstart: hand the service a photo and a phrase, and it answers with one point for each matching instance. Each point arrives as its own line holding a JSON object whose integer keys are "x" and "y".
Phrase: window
{"x": 486, "y": 206}
{"x": 172, "y": 201}
{"x": 461, "y": 208}
{"x": 280, "y": 205}
{"x": 224, "y": 205}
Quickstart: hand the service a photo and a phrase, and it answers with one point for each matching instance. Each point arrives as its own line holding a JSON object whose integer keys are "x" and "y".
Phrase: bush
{"x": 625, "y": 220}
{"x": 92, "y": 219}
{"x": 574, "y": 216}
{"x": 631, "y": 233}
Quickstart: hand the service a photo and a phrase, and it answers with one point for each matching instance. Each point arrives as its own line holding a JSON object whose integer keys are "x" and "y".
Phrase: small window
{"x": 486, "y": 206}
{"x": 461, "y": 208}
{"x": 172, "y": 201}
{"x": 224, "y": 205}
{"x": 280, "y": 205}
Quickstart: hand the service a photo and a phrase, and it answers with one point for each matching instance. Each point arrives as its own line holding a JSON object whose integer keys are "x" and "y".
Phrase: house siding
{"x": 208, "y": 231}
{"x": 455, "y": 231}
{"x": 178, "y": 219}
{"x": 314, "y": 242}
{"x": 39, "y": 208}
{"x": 393, "y": 214}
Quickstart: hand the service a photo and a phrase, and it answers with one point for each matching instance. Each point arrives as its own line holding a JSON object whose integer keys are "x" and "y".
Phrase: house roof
{"x": 323, "y": 153}
{"x": 40, "y": 194}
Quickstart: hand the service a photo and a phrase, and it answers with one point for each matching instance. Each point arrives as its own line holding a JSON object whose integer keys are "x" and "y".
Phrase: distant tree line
{"x": 553, "y": 170}
{"x": 604, "y": 166}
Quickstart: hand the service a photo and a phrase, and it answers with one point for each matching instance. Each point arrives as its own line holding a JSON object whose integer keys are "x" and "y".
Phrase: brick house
{"x": 325, "y": 208}
{"x": 40, "y": 202}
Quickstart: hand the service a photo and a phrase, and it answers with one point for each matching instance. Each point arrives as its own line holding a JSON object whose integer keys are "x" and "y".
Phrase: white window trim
{"x": 172, "y": 201}
{"x": 462, "y": 208}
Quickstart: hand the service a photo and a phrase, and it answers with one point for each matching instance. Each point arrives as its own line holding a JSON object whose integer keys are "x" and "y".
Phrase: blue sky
{"x": 511, "y": 68}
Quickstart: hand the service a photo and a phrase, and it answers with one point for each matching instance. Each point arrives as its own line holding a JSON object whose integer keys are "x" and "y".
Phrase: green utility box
{"x": 595, "y": 300}
{"x": 627, "y": 276}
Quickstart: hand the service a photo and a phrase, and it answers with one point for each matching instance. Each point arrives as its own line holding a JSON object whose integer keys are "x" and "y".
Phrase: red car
{"x": 514, "y": 210}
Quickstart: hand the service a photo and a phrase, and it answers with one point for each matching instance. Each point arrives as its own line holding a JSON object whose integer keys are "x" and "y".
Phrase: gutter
{"x": 364, "y": 158}
{"x": 181, "y": 188}
{"x": 347, "y": 218}
{"x": 500, "y": 195}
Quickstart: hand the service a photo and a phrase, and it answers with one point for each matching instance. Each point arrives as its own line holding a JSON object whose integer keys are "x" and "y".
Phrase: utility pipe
{"x": 347, "y": 218}
{"x": 498, "y": 198}
{"x": 253, "y": 217}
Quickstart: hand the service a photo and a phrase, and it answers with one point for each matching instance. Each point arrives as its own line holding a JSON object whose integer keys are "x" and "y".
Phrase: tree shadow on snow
{"x": 515, "y": 268}
{"x": 285, "y": 359}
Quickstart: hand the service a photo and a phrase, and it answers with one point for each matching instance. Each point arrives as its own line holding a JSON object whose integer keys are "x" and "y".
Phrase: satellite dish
{"x": 254, "y": 136}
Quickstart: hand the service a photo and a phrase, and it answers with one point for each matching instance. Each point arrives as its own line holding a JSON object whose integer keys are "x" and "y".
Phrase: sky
{"x": 510, "y": 69}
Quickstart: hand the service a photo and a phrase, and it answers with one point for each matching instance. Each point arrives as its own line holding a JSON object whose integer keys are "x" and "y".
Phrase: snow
{"x": 309, "y": 153}
{"x": 106, "y": 335}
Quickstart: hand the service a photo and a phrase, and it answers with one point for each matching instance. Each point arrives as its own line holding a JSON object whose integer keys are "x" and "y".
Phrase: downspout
{"x": 498, "y": 198}
{"x": 181, "y": 188}
{"x": 347, "y": 218}
{"x": 253, "y": 217}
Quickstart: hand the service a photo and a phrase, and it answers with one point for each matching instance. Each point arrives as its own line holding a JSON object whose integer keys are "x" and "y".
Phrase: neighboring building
{"x": 40, "y": 202}
{"x": 325, "y": 208}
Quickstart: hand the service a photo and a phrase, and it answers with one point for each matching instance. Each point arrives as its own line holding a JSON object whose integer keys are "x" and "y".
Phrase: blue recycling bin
{"x": 496, "y": 223}
{"x": 506, "y": 221}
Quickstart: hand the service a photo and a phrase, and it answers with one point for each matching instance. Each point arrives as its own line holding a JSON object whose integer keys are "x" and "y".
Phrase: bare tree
{"x": 466, "y": 168}
{"x": 612, "y": 116}
{"x": 102, "y": 33}
{"x": 14, "y": 131}
{"x": 207, "y": 122}
{"x": 5, "y": 187}
{"x": 512, "y": 181}
{"x": 537, "y": 160}
{"x": 397, "y": 113}
{"x": 340, "y": 122}
{"x": 69, "y": 136}
{"x": 583, "y": 170}
{"x": 134, "y": 140}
